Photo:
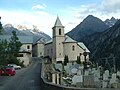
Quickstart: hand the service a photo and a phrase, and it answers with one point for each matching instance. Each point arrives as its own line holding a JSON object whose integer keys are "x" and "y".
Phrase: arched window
{"x": 59, "y": 31}
{"x": 73, "y": 48}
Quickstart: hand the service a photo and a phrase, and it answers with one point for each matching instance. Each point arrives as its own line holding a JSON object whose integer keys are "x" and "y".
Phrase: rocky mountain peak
{"x": 110, "y": 22}
{"x": 24, "y": 31}
{"x": 8, "y": 26}
{"x": 87, "y": 27}
{"x": 21, "y": 27}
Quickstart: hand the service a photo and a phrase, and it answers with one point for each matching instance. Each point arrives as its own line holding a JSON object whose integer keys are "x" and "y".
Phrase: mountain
{"x": 8, "y": 28}
{"x": 111, "y": 22}
{"x": 88, "y": 26}
{"x": 23, "y": 31}
{"x": 105, "y": 46}
{"x": 107, "y": 43}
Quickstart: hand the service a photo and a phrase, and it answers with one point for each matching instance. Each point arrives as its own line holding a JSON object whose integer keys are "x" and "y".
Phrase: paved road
{"x": 25, "y": 79}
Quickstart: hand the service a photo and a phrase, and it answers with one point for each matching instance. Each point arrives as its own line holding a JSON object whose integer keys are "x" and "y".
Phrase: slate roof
{"x": 58, "y": 22}
{"x": 23, "y": 39}
{"x": 83, "y": 46}
{"x": 50, "y": 41}
{"x": 68, "y": 39}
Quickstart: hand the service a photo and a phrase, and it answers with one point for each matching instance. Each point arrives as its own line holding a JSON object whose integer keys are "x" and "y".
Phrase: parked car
{"x": 14, "y": 66}
{"x": 7, "y": 71}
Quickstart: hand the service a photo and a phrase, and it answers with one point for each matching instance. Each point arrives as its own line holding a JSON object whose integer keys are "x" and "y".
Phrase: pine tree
{"x": 1, "y": 28}
{"x": 3, "y": 52}
{"x": 66, "y": 60}
{"x": 78, "y": 60}
{"x": 14, "y": 47}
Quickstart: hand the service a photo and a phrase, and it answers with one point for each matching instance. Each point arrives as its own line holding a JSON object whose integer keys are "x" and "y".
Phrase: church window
{"x": 80, "y": 54}
{"x": 59, "y": 31}
{"x": 59, "y": 53}
{"x": 73, "y": 48}
{"x": 40, "y": 53}
{"x": 28, "y": 47}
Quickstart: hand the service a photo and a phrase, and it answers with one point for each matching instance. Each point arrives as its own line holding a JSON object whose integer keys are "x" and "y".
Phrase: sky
{"x": 43, "y": 13}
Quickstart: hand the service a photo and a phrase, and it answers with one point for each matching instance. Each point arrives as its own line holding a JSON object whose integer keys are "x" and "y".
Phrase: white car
{"x": 14, "y": 66}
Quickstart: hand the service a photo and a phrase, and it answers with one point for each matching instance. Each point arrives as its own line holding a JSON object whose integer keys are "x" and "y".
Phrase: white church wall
{"x": 72, "y": 54}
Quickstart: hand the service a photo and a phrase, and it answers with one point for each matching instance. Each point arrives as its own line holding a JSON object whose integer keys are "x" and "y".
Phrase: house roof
{"x": 23, "y": 39}
{"x": 50, "y": 41}
{"x": 83, "y": 46}
{"x": 58, "y": 22}
{"x": 39, "y": 41}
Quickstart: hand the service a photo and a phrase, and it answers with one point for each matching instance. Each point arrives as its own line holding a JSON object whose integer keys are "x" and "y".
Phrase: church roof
{"x": 83, "y": 46}
{"x": 68, "y": 39}
{"x": 58, "y": 22}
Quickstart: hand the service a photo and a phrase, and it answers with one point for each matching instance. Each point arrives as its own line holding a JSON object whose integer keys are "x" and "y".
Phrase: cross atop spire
{"x": 58, "y": 22}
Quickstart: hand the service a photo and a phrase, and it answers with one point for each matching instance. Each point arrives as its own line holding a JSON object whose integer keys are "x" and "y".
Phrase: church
{"x": 62, "y": 45}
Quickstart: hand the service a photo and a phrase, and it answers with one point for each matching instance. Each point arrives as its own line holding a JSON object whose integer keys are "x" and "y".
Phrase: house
{"x": 38, "y": 48}
{"x": 62, "y": 45}
{"x": 25, "y": 53}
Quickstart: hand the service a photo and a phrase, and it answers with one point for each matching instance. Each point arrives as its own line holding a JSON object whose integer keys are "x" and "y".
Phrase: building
{"x": 25, "y": 53}
{"x": 62, "y": 45}
{"x": 38, "y": 48}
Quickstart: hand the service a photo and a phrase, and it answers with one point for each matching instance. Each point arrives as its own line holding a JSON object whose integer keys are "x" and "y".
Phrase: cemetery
{"x": 81, "y": 75}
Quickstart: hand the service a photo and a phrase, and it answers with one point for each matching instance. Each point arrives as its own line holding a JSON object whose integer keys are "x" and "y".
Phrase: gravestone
{"x": 118, "y": 73}
{"x": 69, "y": 64}
{"x": 107, "y": 73}
{"x": 79, "y": 72}
{"x": 58, "y": 66}
{"x": 105, "y": 77}
{"x": 113, "y": 79}
{"x": 104, "y": 84}
{"x": 74, "y": 70}
{"x": 77, "y": 79}
{"x": 86, "y": 72}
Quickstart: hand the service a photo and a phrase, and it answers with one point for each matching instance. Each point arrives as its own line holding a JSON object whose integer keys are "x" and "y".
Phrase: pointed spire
{"x": 58, "y": 22}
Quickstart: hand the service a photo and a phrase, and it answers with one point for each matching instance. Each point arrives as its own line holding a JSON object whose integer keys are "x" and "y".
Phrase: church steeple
{"x": 58, "y": 38}
{"x": 58, "y": 29}
{"x": 58, "y": 22}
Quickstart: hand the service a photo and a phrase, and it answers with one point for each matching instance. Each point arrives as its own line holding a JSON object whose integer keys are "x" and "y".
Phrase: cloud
{"x": 42, "y": 21}
{"x": 111, "y": 6}
{"x": 41, "y": 13}
{"x": 39, "y": 7}
{"x": 103, "y": 10}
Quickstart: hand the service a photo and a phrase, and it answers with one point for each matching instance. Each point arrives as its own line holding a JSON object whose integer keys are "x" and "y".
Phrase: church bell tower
{"x": 58, "y": 38}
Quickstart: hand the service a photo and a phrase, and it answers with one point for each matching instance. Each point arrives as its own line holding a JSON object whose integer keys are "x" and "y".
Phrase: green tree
{"x": 3, "y": 52}
{"x": 66, "y": 60}
{"x": 14, "y": 47}
{"x": 1, "y": 28}
{"x": 78, "y": 60}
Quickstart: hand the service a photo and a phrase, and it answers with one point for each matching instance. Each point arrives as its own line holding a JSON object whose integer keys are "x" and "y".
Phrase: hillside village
{"x": 66, "y": 61}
